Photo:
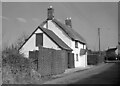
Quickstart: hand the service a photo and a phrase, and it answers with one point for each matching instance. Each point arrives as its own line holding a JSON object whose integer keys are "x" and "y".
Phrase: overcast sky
{"x": 87, "y": 17}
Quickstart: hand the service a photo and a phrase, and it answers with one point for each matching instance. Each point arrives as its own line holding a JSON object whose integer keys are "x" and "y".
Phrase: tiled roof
{"x": 119, "y": 43}
{"x": 55, "y": 38}
{"x": 111, "y": 49}
{"x": 69, "y": 31}
{"x": 52, "y": 36}
{"x": 32, "y": 34}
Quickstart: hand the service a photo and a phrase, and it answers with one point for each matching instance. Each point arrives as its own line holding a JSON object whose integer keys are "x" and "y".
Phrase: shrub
{"x": 19, "y": 66}
{"x": 17, "y": 69}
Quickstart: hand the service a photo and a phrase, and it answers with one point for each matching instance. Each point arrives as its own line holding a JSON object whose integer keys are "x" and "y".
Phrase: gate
{"x": 71, "y": 60}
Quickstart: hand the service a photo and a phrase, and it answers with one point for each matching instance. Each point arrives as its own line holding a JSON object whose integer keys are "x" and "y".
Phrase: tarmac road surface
{"x": 102, "y": 74}
{"x": 109, "y": 76}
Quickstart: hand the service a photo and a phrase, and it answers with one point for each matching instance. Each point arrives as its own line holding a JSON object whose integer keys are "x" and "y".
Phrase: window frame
{"x": 77, "y": 57}
{"x": 76, "y": 44}
{"x": 36, "y": 39}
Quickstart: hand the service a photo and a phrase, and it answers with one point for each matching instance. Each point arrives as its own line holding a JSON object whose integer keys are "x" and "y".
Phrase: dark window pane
{"x": 76, "y": 44}
{"x": 76, "y": 57}
{"x": 39, "y": 39}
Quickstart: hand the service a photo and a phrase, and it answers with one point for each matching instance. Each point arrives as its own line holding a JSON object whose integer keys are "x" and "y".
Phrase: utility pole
{"x": 99, "y": 38}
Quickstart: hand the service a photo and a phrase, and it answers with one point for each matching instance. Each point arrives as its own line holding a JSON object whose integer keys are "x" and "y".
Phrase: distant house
{"x": 111, "y": 50}
{"x": 118, "y": 47}
{"x": 111, "y": 54}
{"x": 54, "y": 34}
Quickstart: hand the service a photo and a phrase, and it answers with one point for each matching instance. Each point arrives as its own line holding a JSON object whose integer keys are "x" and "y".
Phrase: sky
{"x": 23, "y": 18}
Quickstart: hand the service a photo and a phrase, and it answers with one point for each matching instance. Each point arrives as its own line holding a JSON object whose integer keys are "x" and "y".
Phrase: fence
{"x": 49, "y": 61}
{"x": 94, "y": 59}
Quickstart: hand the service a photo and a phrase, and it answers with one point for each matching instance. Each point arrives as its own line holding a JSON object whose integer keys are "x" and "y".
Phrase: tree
{"x": 11, "y": 55}
{"x": 21, "y": 40}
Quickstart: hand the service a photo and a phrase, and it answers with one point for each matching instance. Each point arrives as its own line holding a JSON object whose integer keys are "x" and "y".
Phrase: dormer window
{"x": 76, "y": 44}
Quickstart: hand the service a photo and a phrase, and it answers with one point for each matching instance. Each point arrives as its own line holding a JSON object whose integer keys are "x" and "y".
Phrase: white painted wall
{"x": 59, "y": 33}
{"x": 82, "y": 60}
{"x": 30, "y": 45}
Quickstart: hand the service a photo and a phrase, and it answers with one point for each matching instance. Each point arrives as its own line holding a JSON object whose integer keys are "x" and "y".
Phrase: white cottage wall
{"x": 82, "y": 60}
{"x": 59, "y": 33}
{"x": 30, "y": 45}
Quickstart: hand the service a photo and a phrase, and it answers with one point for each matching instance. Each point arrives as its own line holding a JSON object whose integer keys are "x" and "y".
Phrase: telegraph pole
{"x": 99, "y": 38}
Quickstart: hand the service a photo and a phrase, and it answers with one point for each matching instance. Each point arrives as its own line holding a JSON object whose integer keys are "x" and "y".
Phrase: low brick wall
{"x": 94, "y": 59}
{"x": 49, "y": 61}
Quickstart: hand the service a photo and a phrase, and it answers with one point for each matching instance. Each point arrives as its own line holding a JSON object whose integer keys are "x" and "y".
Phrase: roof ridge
{"x": 69, "y": 31}
{"x": 61, "y": 44}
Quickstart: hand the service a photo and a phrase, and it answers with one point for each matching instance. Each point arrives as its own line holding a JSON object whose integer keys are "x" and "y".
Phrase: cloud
{"x": 22, "y": 20}
{"x": 3, "y": 17}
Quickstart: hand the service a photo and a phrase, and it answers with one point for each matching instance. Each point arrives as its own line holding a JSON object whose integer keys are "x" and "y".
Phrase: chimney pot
{"x": 50, "y": 7}
{"x": 50, "y": 13}
{"x": 68, "y": 22}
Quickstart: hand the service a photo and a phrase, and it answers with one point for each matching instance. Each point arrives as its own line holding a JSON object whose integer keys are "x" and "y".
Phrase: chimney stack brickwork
{"x": 68, "y": 22}
{"x": 50, "y": 16}
{"x": 50, "y": 13}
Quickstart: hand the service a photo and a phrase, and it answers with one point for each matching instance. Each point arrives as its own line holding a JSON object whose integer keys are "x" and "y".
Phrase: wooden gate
{"x": 71, "y": 60}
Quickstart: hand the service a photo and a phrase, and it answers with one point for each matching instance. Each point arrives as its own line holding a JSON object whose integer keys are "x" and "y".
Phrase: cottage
{"x": 118, "y": 48}
{"x": 54, "y": 34}
{"x": 111, "y": 54}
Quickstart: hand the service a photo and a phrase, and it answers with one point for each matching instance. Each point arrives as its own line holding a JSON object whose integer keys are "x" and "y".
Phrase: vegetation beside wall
{"x": 16, "y": 69}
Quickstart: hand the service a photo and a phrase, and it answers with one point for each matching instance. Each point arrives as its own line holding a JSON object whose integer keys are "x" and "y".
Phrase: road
{"x": 109, "y": 76}
{"x": 102, "y": 74}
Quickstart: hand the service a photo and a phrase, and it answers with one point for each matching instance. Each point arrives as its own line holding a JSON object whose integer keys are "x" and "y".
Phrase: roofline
{"x": 80, "y": 42}
{"x": 119, "y": 42}
{"x": 53, "y": 40}
{"x": 39, "y": 27}
{"x": 28, "y": 38}
{"x": 32, "y": 34}
{"x": 68, "y": 34}
{"x": 62, "y": 29}
{"x": 111, "y": 49}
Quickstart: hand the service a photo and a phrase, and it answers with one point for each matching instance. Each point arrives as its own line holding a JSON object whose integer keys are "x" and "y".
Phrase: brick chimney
{"x": 68, "y": 22}
{"x": 50, "y": 13}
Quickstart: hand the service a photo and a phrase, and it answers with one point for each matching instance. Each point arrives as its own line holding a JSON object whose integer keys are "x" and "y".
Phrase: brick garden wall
{"x": 94, "y": 59}
{"x": 49, "y": 61}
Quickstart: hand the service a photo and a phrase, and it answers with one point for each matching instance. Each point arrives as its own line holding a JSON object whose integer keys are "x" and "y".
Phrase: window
{"x": 83, "y": 46}
{"x": 76, "y": 44}
{"x": 39, "y": 39}
{"x": 76, "y": 57}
